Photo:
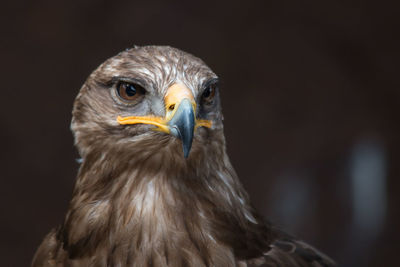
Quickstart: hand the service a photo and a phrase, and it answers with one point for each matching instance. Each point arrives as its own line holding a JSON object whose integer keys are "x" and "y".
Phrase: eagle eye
{"x": 129, "y": 91}
{"x": 209, "y": 93}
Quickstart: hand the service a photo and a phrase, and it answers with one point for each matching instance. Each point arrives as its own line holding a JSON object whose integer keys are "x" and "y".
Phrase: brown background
{"x": 305, "y": 84}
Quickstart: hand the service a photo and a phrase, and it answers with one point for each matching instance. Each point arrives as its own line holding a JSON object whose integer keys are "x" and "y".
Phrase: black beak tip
{"x": 186, "y": 152}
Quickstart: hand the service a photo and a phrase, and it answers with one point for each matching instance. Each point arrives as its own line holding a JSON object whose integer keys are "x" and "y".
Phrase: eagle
{"x": 155, "y": 185}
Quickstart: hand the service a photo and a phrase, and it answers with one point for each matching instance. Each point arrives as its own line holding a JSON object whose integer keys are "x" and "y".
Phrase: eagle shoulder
{"x": 291, "y": 252}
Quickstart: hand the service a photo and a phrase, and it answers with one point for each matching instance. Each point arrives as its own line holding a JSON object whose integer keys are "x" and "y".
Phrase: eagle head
{"x": 149, "y": 101}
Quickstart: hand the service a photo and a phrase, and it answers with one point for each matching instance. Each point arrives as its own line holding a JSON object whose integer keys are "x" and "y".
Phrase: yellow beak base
{"x": 174, "y": 96}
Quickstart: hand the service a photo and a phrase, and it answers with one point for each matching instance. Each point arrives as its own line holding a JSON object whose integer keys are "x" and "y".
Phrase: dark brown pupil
{"x": 208, "y": 92}
{"x": 130, "y": 89}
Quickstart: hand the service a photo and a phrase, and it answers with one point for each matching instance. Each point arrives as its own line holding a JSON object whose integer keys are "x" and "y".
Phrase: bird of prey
{"x": 155, "y": 186}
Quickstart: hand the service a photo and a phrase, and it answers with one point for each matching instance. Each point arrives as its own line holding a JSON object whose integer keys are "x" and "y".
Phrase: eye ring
{"x": 209, "y": 93}
{"x": 129, "y": 92}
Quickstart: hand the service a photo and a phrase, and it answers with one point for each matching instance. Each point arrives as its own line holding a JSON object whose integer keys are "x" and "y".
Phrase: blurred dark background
{"x": 310, "y": 92}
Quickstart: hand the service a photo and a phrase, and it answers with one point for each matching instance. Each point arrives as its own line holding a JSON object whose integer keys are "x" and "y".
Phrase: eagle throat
{"x": 193, "y": 212}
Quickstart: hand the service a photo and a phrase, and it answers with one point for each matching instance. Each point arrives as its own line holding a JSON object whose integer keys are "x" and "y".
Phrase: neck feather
{"x": 175, "y": 211}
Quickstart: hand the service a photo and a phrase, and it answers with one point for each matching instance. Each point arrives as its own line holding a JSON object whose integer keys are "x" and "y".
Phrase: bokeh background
{"x": 310, "y": 93}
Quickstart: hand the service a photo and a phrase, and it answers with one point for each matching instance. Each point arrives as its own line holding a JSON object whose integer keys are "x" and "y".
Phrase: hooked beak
{"x": 182, "y": 125}
{"x": 180, "y": 120}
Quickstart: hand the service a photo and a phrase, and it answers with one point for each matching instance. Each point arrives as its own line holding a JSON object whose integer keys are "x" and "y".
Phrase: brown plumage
{"x": 138, "y": 199}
